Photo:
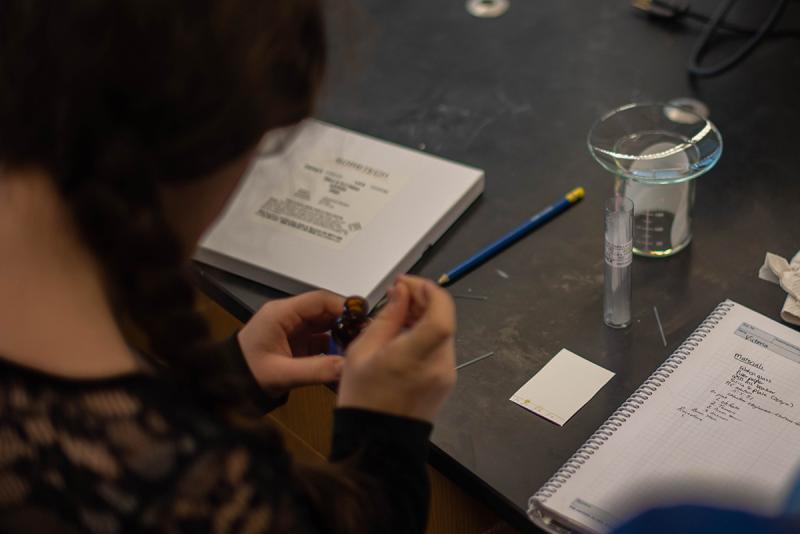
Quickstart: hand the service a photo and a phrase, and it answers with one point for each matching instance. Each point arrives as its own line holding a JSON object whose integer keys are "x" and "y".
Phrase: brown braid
{"x": 122, "y": 221}
{"x": 116, "y": 99}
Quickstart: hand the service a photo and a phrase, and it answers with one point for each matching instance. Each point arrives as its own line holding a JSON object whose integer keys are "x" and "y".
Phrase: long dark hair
{"x": 114, "y": 99}
{"x": 117, "y": 98}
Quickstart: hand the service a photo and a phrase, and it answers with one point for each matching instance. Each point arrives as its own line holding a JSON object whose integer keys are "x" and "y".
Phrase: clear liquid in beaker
{"x": 662, "y": 223}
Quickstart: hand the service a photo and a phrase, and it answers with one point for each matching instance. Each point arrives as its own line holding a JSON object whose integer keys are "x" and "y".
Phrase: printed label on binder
{"x": 330, "y": 201}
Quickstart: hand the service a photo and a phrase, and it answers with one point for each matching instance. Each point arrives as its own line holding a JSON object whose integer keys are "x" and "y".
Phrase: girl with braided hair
{"x": 124, "y": 128}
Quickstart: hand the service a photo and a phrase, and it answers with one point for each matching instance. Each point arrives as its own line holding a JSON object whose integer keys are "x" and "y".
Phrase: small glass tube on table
{"x": 618, "y": 260}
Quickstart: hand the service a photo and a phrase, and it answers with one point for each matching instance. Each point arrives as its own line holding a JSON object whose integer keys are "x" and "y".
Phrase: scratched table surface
{"x": 516, "y": 96}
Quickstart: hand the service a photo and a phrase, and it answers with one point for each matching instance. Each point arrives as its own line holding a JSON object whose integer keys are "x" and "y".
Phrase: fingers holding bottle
{"x": 406, "y": 372}
{"x": 432, "y": 316}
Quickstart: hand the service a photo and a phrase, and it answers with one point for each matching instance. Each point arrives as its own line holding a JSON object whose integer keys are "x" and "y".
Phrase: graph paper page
{"x": 722, "y": 429}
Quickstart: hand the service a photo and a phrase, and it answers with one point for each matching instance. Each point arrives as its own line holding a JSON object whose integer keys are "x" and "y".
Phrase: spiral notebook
{"x": 717, "y": 423}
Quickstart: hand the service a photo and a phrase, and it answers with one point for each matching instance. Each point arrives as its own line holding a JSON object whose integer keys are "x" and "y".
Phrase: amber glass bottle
{"x": 354, "y": 317}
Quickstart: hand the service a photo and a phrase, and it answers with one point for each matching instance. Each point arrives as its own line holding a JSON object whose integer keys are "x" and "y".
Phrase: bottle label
{"x": 619, "y": 255}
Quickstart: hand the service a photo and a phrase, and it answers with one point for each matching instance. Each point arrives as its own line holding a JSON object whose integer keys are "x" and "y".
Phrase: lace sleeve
{"x": 376, "y": 483}
{"x": 135, "y": 454}
{"x": 231, "y": 490}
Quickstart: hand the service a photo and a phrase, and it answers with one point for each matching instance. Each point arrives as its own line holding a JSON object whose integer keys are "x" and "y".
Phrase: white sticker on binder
{"x": 329, "y": 201}
{"x": 562, "y": 387}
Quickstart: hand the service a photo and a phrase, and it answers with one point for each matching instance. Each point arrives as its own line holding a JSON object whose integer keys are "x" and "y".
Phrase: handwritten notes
{"x": 748, "y": 389}
{"x": 719, "y": 424}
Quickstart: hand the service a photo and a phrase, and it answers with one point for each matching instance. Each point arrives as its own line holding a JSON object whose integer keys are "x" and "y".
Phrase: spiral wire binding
{"x": 627, "y": 409}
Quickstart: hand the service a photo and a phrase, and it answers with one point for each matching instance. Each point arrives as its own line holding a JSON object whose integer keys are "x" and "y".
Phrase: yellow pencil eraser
{"x": 576, "y": 194}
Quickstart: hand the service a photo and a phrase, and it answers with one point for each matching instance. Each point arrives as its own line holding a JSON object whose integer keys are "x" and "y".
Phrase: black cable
{"x": 711, "y": 29}
{"x": 679, "y": 9}
{"x": 738, "y": 29}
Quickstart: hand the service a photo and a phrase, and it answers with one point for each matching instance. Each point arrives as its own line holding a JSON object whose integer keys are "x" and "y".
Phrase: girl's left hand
{"x": 285, "y": 342}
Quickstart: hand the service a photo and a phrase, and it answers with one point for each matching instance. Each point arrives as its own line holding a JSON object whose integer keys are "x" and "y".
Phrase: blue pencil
{"x": 513, "y": 236}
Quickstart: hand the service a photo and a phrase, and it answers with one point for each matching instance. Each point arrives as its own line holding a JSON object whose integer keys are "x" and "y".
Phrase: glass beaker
{"x": 655, "y": 152}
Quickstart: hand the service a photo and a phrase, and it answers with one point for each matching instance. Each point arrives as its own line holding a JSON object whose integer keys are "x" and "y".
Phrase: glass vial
{"x": 354, "y": 318}
{"x": 619, "y": 257}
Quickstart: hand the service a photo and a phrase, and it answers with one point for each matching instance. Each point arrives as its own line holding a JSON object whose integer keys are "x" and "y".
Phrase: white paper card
{"x": 562, "y": 387}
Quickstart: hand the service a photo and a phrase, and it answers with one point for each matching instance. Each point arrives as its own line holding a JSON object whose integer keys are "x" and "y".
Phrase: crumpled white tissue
{"x": 778, "y": 270}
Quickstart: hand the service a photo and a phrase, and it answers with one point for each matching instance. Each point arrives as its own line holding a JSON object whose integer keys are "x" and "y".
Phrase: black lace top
{"x": 136, "y": 454}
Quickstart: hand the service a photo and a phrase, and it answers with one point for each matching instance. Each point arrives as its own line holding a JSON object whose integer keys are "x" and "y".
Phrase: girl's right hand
{"x": 407, "y": 372}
